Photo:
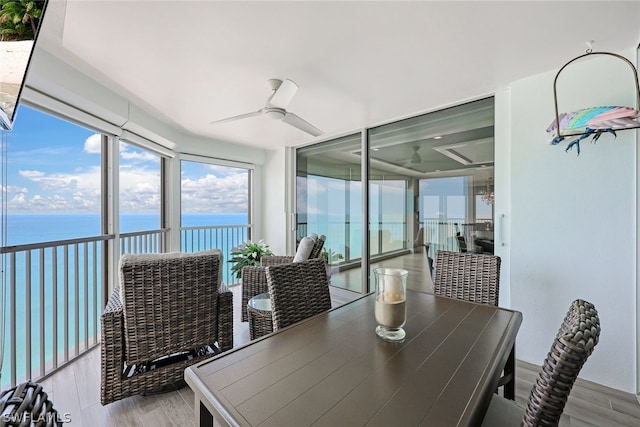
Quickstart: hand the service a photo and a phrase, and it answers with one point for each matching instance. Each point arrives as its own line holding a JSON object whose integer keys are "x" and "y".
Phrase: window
{"x": 51, "y": 281}
{"x": 215, "y": 212}
{"x": 53, "y": 180}
{"x": 140, "y": 189}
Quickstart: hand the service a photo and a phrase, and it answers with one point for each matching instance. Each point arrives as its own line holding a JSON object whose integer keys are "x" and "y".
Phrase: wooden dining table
{"x": 333, "y": 370}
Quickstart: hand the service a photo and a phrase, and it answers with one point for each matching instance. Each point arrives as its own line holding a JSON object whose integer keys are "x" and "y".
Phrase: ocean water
{"x": 35, "y": 228}
{"x": 35, "y": 294}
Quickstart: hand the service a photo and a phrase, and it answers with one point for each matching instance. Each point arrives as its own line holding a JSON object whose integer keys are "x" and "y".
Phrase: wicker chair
{"x": 254, "y": 279}
{"x": 475, "y": 278}
{"x": 574, "y": 343}
{"x": 467, "y": 276}
{"x": 166, "y": 313}
{"x": 298, "y": 290}
{"x": 27, "y": 404}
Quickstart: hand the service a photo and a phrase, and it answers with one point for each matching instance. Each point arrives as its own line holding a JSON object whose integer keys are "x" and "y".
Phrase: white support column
{"x": 172, "y": 202}
{"x": 111, "y": 204}
{"x": 290, "y": 198}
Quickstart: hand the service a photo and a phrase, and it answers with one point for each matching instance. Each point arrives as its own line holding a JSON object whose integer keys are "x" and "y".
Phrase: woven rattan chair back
{"x": 298, "y": 290}
{"x": 170, "y": 302}
{"x": 174, "y": 307}
{"x": 254, "y": 278}
{"x": 467, "y": 276}
{"x": 574, "y": 343}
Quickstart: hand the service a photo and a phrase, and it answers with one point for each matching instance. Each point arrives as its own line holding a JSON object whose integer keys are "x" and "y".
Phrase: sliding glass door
{"x": 329, "y": 201}
{"x": 428, "y": 187}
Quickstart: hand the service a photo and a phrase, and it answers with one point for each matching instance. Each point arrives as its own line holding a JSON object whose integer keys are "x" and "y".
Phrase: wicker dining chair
{"x": 254, "y": 279}
{"x": 467, "y": 276}
{"x": 167, "y": 312}
{"x": 298, "y": 290}
{"x": 577, "y": 337}
{"x": 475, "y": 278}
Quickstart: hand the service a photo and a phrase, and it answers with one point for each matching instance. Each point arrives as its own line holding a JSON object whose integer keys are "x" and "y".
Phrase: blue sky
{"x": 54, "y": 167}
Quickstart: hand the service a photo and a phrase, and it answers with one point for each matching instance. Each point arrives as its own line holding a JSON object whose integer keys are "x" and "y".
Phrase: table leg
{"x": 204, "y": 418}
{"x": 510, "y": 372}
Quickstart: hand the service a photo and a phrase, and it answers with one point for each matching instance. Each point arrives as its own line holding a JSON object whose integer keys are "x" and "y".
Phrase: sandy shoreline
{"x": 13, "y": 60}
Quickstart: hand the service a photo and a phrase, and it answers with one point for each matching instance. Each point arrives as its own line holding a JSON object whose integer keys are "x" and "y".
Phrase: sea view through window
{"x": 52, "y": 170}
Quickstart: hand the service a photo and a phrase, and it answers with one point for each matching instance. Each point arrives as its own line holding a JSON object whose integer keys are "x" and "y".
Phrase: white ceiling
{"x": 356, "y": 63}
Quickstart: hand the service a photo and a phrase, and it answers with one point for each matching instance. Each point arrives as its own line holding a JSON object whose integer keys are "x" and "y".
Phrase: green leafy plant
{"x": 19, "y": 19}
{"x": 248, "y": 253}
{"x": 330, "y": 256}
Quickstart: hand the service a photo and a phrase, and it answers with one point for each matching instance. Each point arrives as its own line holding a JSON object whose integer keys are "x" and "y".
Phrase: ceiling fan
{"x": 415, "y": 158}
{"x": 276, "y": 108}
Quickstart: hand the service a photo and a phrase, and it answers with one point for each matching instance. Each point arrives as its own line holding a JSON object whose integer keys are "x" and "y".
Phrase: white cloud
{"x": 134, "y": 154}
{"x": 213, "y": 194}
{"x": 222, "y": 171}
{"x": 139, "y": 189}
{"x": 59, "y": 192}
{"x": 52, "y": 203}
{"x": 139, "y": 156}
{"x": 225, "y": 191}
{"x": 93, "y": 144}
{"x": 31, "y": 174}
{"x": 13, "y": 189}
{"x": 87, "y": 179}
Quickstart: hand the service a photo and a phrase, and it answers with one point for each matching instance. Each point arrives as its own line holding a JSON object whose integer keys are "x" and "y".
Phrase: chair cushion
{"x": 304, "y": 249}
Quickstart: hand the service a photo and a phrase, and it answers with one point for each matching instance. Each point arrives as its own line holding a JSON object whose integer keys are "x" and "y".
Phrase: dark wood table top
{"x": 333, "y": 370}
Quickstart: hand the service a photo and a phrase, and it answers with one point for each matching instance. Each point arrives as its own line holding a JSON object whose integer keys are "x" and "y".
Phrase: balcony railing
{"x": 345, "y": 238}
{"x": 56, "y": 293}
{"x": 387, "y": 237}
{"x": 223, "y": 237}
{"x": 54, "y": 299}
{"x": 144, "y": 242}
{"x": 443, "y": 234}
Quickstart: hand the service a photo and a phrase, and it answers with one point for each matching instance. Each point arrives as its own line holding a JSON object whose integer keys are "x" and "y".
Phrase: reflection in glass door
{"x": 387, "y": 215}
{"x": 424, "y": 175}
{"x": 329, "y": 202}
{"x": 428, "y": 188}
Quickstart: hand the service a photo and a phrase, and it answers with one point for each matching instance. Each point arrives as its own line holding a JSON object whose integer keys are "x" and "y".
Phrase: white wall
{"x": 573, "y": 219}
{"x": 274, "y": 215}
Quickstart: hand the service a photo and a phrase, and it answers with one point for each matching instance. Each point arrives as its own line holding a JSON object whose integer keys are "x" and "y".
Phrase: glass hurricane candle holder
{"x": 391, "y": 303}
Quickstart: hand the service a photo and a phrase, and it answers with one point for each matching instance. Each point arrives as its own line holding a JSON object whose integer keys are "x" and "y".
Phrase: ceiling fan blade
{"x": 298, "y": 122}
{"x": 234, "y": 118}
{"x": 283, "y": 95}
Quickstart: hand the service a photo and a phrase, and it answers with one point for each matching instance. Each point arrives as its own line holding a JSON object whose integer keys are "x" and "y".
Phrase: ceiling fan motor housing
{"x": 274, "y": 113}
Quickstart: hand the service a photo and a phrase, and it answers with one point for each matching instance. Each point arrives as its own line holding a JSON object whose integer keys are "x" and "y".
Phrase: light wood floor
{"x": 76, "y": 390}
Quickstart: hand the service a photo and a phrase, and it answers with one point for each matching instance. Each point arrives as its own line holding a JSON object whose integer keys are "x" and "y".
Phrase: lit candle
{"x": 390, "y": 305}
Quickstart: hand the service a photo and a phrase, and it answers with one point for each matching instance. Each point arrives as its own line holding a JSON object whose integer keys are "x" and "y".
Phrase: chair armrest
{"x": 266, "y": 261}
{"x": 254, "y": 282}
{"x": 225, "y": 320}
{"x": 112, "y": 347}
{"x": 112, "y": 319}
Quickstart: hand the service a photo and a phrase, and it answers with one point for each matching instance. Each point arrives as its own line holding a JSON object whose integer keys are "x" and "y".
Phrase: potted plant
{"x": 248, "y": 253}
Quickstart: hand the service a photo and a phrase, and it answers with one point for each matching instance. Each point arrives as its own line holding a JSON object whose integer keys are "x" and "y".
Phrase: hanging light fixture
{"x": 487, "y": 195}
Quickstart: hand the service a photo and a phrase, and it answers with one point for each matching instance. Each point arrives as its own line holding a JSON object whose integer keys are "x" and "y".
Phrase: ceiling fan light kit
{"x": 276, "y": 108}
